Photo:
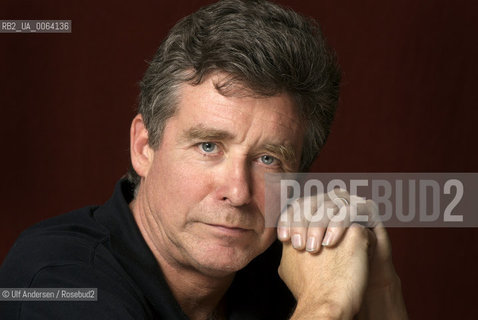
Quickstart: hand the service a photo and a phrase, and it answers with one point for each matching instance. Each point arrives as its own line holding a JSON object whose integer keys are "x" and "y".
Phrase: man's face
{"x": 204, "y": 190}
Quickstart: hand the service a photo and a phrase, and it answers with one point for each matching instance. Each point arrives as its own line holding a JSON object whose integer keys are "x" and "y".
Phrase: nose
{"x": 235, "y": 183}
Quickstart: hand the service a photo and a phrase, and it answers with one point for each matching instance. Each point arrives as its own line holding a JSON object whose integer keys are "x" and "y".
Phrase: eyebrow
{"x": 286, "y": 152}
{"x": 202, "y": 133}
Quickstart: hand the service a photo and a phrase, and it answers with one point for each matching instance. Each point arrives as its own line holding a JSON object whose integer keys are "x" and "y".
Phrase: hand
{"x": 329, "y": 285}
{"x": 321, "y": 220}
{"x": 383, "y": 297}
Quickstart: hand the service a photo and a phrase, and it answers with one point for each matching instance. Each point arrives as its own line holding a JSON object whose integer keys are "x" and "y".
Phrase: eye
{"x": 208, "y": 147}
{"x": 268, "y": 160}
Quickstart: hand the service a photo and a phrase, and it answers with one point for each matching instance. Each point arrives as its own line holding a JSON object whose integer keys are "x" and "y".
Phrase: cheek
{"x": 178, "y": 184}
{"x": 269, "y": 236}
{"x": 259, "y": 190}
{"x": 266, "y": 239}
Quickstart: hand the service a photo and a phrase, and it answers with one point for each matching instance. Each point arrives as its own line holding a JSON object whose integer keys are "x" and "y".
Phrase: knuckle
{"x": 329, "y": 209}
{"x": 358, "y": 232}
{"x": 339, "y": 191}
{"x": 337, "y": 224}
{"x": 329, "y": 204}
{"x": 315, "y": 231}
{"x": 372, "y": 206}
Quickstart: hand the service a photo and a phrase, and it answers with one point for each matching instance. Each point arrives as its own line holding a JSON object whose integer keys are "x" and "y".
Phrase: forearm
{"x": 384, "y": 303}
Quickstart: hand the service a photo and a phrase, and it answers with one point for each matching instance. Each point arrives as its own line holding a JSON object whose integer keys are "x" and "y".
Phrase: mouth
{"x": 228, "y": 230}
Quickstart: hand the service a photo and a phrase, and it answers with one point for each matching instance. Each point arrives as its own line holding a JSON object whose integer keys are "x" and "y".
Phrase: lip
{"x": 228, "y": 230}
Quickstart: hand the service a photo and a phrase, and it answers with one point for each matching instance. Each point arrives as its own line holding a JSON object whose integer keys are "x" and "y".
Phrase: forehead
{"x": 205, "y": 104}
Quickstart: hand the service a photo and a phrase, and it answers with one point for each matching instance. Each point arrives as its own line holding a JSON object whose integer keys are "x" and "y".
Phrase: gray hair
{"x": 261, "y": 46}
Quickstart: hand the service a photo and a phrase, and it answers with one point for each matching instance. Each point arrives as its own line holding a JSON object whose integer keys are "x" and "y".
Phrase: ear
{"x": 141, "y": 153}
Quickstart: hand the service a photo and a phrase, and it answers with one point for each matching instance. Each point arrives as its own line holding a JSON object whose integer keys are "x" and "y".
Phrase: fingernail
{"x": 329, "y": 236}
{"x": 296, "y": 241}
{"x": 283, "y": 233}
{"x": 311, "y": 244}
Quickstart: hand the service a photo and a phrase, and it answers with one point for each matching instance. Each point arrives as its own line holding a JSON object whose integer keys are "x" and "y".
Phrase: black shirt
{"x": 102, "y": 247}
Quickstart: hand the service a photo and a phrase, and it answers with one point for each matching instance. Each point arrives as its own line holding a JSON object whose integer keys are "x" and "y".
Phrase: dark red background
{"x": 408, "y": 104}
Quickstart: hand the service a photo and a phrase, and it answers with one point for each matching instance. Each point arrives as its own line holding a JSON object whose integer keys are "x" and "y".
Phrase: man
{"x": 238, "y": 89}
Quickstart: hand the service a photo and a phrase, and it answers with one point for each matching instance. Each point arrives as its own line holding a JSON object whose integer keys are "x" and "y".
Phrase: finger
{"x": 318, "y": 226}
{"x": 315, "y": 234}
{"x": 336, "y": 227}
{"x": 382, "y": 251}
{"x": 381, "y": 233}
{"x": 298, "y": 233}
{"x": 298, "y": 216}
{"x": 383, "y": 246}
{"x": 365, "y": 237}
{"x": 364, "y": 212}
{"x": 339, "y": 196}
{"x": 283, "y": 225}
{"x": 372, "y": 240}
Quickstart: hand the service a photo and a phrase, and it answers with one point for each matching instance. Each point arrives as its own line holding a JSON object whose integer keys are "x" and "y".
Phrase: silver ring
{"x": 347, "y": 203}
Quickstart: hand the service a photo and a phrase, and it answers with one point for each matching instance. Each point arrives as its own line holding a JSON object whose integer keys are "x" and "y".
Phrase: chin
{"x": 224, "y": 261}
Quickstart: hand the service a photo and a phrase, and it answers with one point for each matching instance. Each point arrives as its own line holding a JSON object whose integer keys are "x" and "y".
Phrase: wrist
{"x": 324, "y": 310}
{"x": 387, "y": 288}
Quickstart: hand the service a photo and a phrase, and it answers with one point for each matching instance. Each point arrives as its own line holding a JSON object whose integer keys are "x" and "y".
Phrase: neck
{"x": 199, "y": 294}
